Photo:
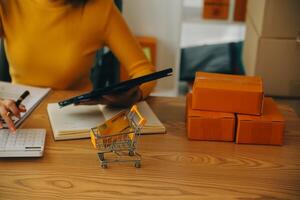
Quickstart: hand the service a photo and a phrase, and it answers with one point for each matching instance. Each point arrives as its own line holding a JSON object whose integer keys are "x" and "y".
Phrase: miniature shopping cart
{"x": 119, "y": 137}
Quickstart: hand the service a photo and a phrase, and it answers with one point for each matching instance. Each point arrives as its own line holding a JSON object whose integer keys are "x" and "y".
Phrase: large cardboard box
{"x": 277, "y": 61}
{"x": 207, "y": 125}
{"x": 265, "y": 129}
{"x": 227, "y": 93}
{"x": 275, "y": 18}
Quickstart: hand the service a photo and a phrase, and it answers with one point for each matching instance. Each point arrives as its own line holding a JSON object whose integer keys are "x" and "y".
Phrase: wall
{"x": 160, "y": 19}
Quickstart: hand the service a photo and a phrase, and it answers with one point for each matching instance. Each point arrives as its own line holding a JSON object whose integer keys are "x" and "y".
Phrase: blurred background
{"x": 245, "y": 37}
{"x": 254, "y": 37}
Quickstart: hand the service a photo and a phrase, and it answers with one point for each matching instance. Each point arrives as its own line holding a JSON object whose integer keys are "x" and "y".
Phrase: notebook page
{"x": 74, "y": 119}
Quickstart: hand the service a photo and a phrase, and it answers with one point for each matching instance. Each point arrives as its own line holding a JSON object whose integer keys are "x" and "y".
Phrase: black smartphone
{"x": 119, "y": 87}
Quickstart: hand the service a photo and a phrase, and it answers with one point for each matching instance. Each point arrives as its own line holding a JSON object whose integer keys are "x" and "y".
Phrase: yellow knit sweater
{"x": 51, "y": 44}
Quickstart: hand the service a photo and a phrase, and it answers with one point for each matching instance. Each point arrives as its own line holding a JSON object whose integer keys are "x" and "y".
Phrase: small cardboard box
{"x": 265, "y": 129}
{"x": 228, "y": 93}
{"x": 240, "y": 10}
{"x": 216, "y": 9}
{"x": 207, "y": 125}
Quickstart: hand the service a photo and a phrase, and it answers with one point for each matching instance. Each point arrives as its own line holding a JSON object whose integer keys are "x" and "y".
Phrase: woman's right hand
{"x": 8, "y": 108}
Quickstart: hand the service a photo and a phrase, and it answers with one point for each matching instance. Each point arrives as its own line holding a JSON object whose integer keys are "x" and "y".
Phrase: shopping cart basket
{"x": 119, "y": 136}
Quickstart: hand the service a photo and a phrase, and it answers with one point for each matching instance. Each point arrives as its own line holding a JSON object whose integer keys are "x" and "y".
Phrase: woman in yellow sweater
{"x": 53, "y": 43}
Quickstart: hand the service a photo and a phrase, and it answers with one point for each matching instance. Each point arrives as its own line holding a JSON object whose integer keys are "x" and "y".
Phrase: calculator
{"x": 23, "y": 143}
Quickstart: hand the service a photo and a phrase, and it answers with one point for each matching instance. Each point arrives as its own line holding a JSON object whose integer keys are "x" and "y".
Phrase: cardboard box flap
{"x": 205, "y": 114}
{"x": 228, "y": 82}
{"x": 270, "y": 113}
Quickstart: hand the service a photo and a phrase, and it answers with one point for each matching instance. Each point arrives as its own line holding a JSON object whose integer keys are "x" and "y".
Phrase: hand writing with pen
{"x": 9, "y": 108}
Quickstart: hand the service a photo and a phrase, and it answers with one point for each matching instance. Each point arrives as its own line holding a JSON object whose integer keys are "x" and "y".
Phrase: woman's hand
{"x": 121, "y": 99}
{"x": 8, "y": 108}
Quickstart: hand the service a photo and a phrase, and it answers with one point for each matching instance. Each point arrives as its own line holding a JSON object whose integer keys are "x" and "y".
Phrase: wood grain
{"x": 173, "y": 167}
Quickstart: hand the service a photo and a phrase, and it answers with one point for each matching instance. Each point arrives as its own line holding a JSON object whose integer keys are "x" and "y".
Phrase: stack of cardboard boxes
{"x": 232, "y": 108}
{"x": 272, "y": 45}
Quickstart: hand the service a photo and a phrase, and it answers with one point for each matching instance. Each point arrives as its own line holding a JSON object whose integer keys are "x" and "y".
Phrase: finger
{"x": 22, "y": 108}
{"x": 11, "y": 106}
{"x": 122, "y": 94}
{"x": 104, "y": 101}
{"x": 117, "y": 97}
{"x": 132, "y": 93}
{"x": 123, "y": 101}
{"x": 129, "y": 92}
{"x": 86, "y": 103}
{"x": 7, "y": 119}
{"x": 10, "y": 124}
{"x": 116, "y": 101}
{"x": 94, "y": 102}
{"x": 111, "y": 98}
{"x": 1, "y": 125}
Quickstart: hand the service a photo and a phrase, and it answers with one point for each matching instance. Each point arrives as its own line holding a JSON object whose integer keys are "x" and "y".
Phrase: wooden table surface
{"x": 172, "y": 166}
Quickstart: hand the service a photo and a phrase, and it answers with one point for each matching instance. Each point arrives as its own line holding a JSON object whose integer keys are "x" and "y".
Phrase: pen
{"x": 20, "y": 99}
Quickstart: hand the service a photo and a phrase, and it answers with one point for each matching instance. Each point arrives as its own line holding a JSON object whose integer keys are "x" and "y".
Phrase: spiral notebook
{"x": 75, "y": 122}
{"x": 13, "y": 91}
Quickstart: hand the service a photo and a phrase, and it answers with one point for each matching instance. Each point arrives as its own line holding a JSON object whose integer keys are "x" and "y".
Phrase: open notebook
{"x": 13, "y": 91}
{"x": 74, "y": 122}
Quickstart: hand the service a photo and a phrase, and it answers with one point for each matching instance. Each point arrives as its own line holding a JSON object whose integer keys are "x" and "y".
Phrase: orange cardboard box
{"x": 207, "y": 125}
{"x": 216, "y": 9}
{"x": 228, "y": 93}
{"x": 240, "y": 8}
{"x": 265, "y": 129}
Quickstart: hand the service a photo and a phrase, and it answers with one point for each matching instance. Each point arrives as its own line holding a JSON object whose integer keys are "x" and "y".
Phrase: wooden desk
{"x": 172, "y": 166}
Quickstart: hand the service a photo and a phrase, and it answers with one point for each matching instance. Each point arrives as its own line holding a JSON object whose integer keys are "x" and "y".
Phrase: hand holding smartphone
{"x": 119, "y": 87}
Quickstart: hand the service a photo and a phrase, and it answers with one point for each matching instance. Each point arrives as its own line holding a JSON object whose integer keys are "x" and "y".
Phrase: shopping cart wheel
{"x": 101, "y": 156}
{"x": 131, "y": 153}
{"x": 137, "y": 164}
{"x": 104, "y": 165}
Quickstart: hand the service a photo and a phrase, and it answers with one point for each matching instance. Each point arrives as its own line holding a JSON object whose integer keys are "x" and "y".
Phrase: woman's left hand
{"x": 121, "y": 99}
